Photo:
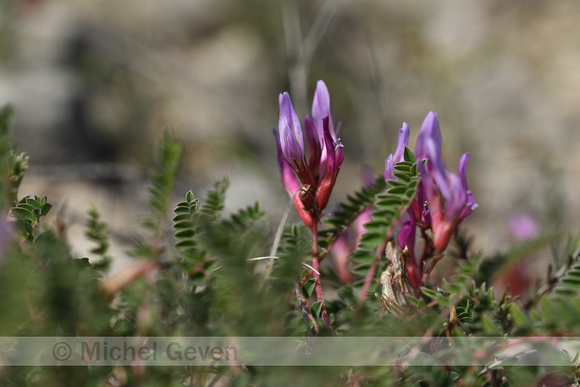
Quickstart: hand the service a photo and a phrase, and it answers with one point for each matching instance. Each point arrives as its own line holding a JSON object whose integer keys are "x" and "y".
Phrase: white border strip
{"x": 286, "y": 351}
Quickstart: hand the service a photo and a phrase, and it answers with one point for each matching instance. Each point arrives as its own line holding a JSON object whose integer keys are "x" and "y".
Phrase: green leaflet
{"x": 164, "y": 174}
{"x": 28, "y": 212}
{"x": 184, "y": 224}
{"x": 96, "y": 230}
{"x": 214, "y": 202}
{"x": 570, "y": 281}
{"x": 389, "y": 206}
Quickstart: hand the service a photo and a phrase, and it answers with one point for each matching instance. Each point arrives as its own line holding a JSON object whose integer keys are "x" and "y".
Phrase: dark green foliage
{"x": 162, "y": 183}
{"x": 570, "y": 279}
{"x": 28, "y": 213}
{"x": 198, "y": 276}
{"x": 245, "y": 218}
{"x": 295, "y": 242}
{"x": 191, "y": 218}
{"x": 97, "y": 232}
{"x": 184, "y": 224}
{"x": 214, "y": 202}
{"x": 72, "y": 292}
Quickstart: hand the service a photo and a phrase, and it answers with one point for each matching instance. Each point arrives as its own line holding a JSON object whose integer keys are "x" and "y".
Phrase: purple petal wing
{"x": 429, "y": 130}
{"x": 335, "y": 156}
{"x": 321, "y": 109}
{"x": 389, "y": 166}
{"x": 289, "y": 180}
{"x": 402, "y": 143}
{"x": 290, "y": 132}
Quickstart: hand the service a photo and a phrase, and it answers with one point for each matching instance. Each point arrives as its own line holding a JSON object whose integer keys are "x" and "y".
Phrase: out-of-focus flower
{"x": 519, "y": 278}
{"x": 314, "y": 178}
{"x": 4, "y": 239}
{"x": 447, "y": 194}
{"x": 346, "y": 244}
{"x": 523, "y": 227}
{"x": 350, "y": 239}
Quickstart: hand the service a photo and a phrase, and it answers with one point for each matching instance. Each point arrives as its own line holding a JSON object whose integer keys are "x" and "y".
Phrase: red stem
{"x": 310, "y": 272}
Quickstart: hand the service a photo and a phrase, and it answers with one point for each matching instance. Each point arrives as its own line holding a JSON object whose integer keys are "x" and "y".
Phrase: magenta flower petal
{"x": 335, "y": 156}
{"x": 406, "y": 235}
{"x": 429, "y": 130}
{"x": 315, "y": 146}
{"x": 462, "y": 172}
{"x": 462, "y": 169}
{"x": 289, "y": 180}
{"x": 321, "y": 109}
{"x": 406, "y": 239}
{"x": 290, "y": 134}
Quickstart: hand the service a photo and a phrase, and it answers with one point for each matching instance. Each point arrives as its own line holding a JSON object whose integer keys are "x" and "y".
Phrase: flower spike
{"x": 315, "y": 178}
{"x": 449, "y": 199}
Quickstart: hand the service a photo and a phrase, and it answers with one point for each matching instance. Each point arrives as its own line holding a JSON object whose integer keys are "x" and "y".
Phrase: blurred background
{"x": 94, "y": 83}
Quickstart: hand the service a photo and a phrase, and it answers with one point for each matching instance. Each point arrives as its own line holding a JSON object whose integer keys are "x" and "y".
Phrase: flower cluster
{"x": 443, "y": 198}
{"x": 442, "y": 201}
{"x": 309, "y": 182}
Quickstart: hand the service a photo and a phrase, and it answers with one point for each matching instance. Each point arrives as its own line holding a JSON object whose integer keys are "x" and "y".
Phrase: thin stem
{"x": 315, "y": 266}
{"x": 276, "y": 243}
{"x": 323, "y": 255}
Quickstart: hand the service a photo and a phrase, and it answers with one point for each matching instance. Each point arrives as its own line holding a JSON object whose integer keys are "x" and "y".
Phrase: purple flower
{"x": 398, "y": 156}
{"x": 523, "y": 227}
{"x": 429, "y": 132}
{"x": 447, "y": 194}
{"x": 316, "y": 177}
